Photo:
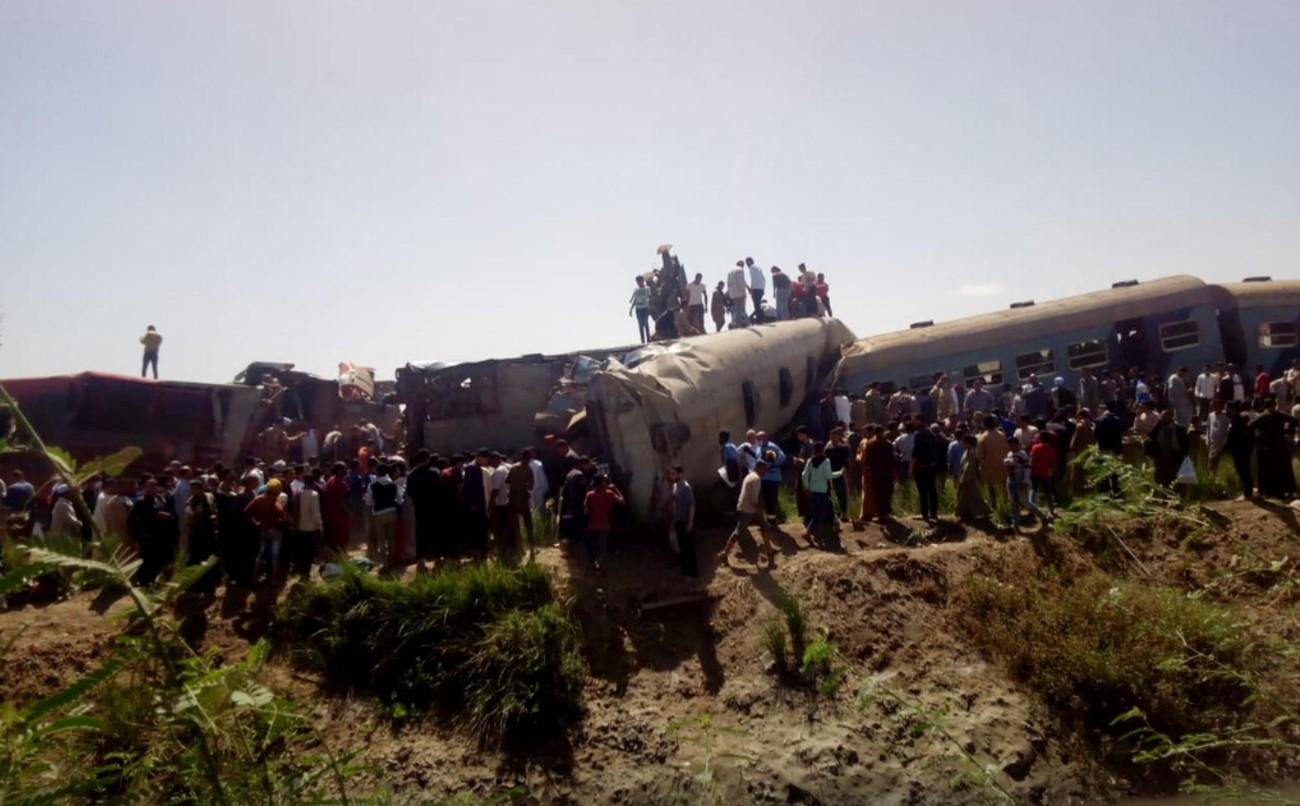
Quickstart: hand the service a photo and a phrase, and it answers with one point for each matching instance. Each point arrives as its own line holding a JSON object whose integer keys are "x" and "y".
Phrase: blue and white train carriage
{"x": 1157, "y": 326}
{"x": 1263, "y": 328}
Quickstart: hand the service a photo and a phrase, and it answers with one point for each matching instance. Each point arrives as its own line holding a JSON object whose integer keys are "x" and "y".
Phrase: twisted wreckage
{"x": 643, "y": 409}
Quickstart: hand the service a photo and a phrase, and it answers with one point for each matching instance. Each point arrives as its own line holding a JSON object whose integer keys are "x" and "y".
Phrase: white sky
{"x": 386, "y": 181}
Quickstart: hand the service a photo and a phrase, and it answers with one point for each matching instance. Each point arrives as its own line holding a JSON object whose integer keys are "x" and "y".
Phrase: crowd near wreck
{"x": 648, "y": 407}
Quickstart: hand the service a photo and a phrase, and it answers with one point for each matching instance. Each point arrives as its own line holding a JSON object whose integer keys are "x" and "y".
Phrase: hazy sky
{"x": 385, "y": 182}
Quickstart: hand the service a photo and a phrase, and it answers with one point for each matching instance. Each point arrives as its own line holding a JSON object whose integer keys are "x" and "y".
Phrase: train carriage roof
{"x": 1265, "y": 294}
{"x": 1097, "y": 309}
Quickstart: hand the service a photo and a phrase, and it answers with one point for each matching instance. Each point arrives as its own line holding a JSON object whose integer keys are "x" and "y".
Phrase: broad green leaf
{"x": 62, "y": 460}
{"x": 112, "y": 465}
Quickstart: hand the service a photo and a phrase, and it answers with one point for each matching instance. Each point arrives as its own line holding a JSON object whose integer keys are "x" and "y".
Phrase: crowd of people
{"x": 677, "y": 308}
{"x": 315, "y": 498}
{"x": 1012, "y": 449}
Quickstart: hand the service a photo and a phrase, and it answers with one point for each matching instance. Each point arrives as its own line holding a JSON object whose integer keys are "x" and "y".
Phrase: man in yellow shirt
{"x": 151, "y": 340}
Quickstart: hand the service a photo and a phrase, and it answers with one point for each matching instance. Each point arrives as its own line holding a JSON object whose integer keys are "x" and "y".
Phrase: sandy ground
{"x": 682, "y": 706}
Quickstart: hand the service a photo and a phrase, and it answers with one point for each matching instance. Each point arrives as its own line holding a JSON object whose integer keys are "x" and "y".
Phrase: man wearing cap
{"x": 270, "y": 518}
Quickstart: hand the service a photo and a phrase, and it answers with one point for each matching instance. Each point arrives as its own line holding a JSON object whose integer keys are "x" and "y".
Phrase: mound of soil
{"x": 683, "y": 704}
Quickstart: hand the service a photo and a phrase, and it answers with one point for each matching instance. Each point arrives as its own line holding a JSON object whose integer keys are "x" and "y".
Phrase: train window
{"x": 989, "y": 371}
{"x": 925, "y": 382}
{"x": 1039, "y": 362}
{"x": 786, "y": 382}
{"x": 1179, "y": 335}
{"x": 1277, "y": 334}
{"x": 1091, "y": 353}
{"x": 751, "y": 403}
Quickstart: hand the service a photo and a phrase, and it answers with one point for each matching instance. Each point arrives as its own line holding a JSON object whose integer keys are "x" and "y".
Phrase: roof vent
{"x": 1124, "y": 284}
{"x": 1260, "y": 279}
{"x": 926, "y": 323}
{"x": 1029, "y": 303}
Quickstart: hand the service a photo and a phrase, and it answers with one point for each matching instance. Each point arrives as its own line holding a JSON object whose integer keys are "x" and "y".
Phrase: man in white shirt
{"x": 748, "y": 450}
{"x": 499, "y": 497}
{"x": 1217, "y": 432}
{"x": 697, "y": 299}
{"x": 737, "y": 290}
{"x": 757, "y": 282}
{"x": 1205, "y": 388}
{"x": 749, "y": 512}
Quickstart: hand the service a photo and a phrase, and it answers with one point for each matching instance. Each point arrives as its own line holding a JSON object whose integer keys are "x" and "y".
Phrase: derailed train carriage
{"x": 1155, "y": 326}
{"x": 667, "y": 410}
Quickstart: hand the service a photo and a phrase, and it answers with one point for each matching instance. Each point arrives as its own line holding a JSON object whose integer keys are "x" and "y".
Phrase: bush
{"x": 485, "y": 643}
{"x": 1106, "y": 651}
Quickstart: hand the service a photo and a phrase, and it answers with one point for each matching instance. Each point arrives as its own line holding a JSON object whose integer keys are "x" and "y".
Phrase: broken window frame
{"x": 1039, "y": 362}
{"x": 1178, "y": 341}
{"x": 785, "y": 386}
{"x": 1087, "y": 354}
{"x": 989, "y": 371}
{"x": 1277, "y": 335}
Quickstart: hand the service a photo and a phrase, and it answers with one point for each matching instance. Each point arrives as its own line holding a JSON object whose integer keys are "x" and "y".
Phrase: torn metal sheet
{"x": 669, "y": 408}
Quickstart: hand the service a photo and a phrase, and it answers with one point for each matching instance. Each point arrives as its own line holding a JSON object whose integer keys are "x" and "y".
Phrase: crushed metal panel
{"x": 668, "y": 410}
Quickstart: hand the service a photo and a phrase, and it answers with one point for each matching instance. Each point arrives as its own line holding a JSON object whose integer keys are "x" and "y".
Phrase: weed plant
{"x": 484, "y": 644}
{"x": 1110, "y": 652}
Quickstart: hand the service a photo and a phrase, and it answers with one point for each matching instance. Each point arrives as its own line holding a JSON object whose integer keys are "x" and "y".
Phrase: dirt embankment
{"x": 682, "y": 706}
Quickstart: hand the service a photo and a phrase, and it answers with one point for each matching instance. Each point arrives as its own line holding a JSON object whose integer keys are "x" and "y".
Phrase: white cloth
{"x": 64, "y": 520}
{"x": 499, "y": 494}
{"x": 310, "y": 445}
{"x": 756, "y": 279}
{"x": 1217, "y": 434}
{"x": 736, "y": 286}
{"x": 904, "y": 445}
{"x": 697, "y": 294}
{"x": 540, "y": 485}
{"x": 1207, "y": 384}
{"x": 309, "y": 517}
{"x": 843, "y": 408}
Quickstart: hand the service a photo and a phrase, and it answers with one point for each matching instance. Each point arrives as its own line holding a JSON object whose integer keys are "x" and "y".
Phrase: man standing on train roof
{"x": 757, "y": 283}
{"x": 640, "y": 304}
{"x": 151, "y": 340}
{"x": 737, "y": 290}
{"x": 1180, "y": 397}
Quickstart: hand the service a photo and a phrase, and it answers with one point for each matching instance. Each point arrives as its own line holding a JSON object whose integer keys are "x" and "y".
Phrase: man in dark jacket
{"x": 929, "y": 454}
{"x": 152, "y": 524}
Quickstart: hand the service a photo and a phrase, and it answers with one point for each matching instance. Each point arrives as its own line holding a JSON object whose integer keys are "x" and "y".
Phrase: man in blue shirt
{"x": 20, "y": 492}
{"x": 730, "y": 458}
{"x": 772, "y": 478}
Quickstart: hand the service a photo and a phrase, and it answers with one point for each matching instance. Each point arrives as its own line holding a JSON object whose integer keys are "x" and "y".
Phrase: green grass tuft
{"x": 485, "y": 644}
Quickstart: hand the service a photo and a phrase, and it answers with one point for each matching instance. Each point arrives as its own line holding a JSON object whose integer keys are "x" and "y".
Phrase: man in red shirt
{"x": 1262, "y": 382}
{"x": 1042, "y": 465}
{"x": 599, "y": 507}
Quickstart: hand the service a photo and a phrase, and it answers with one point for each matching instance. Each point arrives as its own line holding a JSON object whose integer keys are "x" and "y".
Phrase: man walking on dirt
{"x": 749, "y": 512}
{"x": 151, "y": 340}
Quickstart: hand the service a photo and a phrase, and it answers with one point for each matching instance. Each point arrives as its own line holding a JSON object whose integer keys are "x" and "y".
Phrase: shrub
{"x": 796, "y": 623}
{"x": 1097, "y": 648}
{"x": 486, "y": 643}
{"x": 774, "y": 642}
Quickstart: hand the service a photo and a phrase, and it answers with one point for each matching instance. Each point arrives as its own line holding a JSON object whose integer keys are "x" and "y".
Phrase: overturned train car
{"x": 668, "y": 409}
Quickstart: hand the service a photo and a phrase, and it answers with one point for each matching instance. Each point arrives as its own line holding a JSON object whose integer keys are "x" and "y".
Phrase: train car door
{"x": 1130, "y": 343}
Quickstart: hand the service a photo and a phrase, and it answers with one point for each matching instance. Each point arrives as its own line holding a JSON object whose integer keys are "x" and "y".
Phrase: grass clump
{"x": 486, "y": 645}
{"x": 1117, "y": 655}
